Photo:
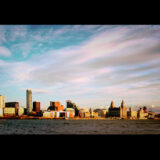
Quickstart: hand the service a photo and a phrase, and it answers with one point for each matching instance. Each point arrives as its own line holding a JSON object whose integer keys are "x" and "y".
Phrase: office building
{"x": 9, "y": 111}
{"x": 55, "y": 106}
{"x": 131, "y": 113}
{"x": 29, "y": 100}
{"x": 13, "y": 105}
{"x": 36, "y": 106}
{"x": 2, "y": 105}
{"x": 2, "y": 102}
{"x": 70, "y": 104}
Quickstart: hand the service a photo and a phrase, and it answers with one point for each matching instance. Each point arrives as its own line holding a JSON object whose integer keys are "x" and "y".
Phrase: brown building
{"x": 36, "y": 106}
{"x": 55, "y": 106}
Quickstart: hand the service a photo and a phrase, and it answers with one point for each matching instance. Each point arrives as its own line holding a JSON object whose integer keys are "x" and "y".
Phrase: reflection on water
{"x": 79, "y": 127}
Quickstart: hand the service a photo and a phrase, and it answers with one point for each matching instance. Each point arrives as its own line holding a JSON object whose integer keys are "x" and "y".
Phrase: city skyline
{"x": 89, "y": 64}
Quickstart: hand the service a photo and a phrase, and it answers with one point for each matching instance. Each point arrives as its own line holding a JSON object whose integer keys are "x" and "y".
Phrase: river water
{"x": 47, "y": 127}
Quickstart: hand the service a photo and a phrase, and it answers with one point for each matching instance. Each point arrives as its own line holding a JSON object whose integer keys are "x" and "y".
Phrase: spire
{"x": 122, "y": 104}
{"x": 90, "y": 110}
{"x": 112, "y": 104}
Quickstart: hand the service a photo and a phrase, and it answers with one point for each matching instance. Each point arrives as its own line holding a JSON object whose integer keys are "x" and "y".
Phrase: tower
{"x": 112, "y": 105}
{"x": 29, "y": 100}
{"x": 123, "y": 110}
{"x": 2, "y": 102}
{"x": 2, "y": 105}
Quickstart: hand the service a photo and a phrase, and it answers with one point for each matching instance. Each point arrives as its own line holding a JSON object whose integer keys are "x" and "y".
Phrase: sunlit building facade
{"x": 29, "y": 100}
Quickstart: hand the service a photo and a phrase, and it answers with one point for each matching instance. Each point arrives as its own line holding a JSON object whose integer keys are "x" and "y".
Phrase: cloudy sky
{"x": 89, "y": 64}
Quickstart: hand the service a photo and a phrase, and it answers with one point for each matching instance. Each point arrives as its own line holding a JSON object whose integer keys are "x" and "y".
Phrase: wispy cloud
{"x": 113, "y": 61}
{"x": 5, "y": 51}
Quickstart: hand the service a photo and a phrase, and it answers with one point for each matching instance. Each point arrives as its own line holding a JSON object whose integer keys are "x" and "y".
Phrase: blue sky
{"x": 89, "y": 64}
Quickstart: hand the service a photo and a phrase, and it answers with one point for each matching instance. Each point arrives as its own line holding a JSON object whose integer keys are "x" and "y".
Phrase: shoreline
{"x": 62, "y": 118}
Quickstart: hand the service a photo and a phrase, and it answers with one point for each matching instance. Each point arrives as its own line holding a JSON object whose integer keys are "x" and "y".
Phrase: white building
{"x": 2, "y": 105}
{"x": 29, "y": 100}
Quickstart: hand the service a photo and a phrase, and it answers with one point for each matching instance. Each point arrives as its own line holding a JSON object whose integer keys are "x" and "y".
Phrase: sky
{"x": 88, "y": 64}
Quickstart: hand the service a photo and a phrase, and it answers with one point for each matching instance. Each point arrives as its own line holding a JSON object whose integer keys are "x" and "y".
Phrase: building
{"x": 10, "y": 111}
{"x": 151, "y": 115}
{"x": 36, "y": 106}
{"x": 47, "y": 114}
{"x": 70, "y": 104}
{"x": 29, "y": 100}
{"x": 2, "y": 105}
{"x": 120, "y": 112}
{"x": 13, "y": 105}
{"x": 2, "y": 102}
{"x": 20, "y": 111}
{"x": 84, "y": 112}
{"x": 145, "y": 109}
{"x": 123, "y": 110}
{"x": 132, "y": 114}
{"x": 70, "y": 112}
{"x": 101, "y": 112}
{"x": 95, "y": 115}
{"x": 55, "y": 106}
{"x": 87, "y": 115}
{"x": 141, "y": 114}
{"x": 113, "y": 111}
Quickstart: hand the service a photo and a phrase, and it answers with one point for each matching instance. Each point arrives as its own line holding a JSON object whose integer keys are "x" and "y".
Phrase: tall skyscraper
{"x": 29, "y": 100}
{"x": 2, "y": 105}
{"x": 2, "y": 102}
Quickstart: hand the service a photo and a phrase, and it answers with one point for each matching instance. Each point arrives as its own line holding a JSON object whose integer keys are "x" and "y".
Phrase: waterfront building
{"x": 2, "y": 105}
{"x": 20, "y": 111}
{"x": 120, "y": 112}
{"x": 10, "y": 111}
{"x": 82, "y": 112}
{"x": 13, "y": 105}
{"x": 123, "y": 110}
{"x": 145, "y": 109}
{"x": 70, "y": 112}
{"x": 2, "y": 102}
{"x": 95, "y": 114}
{"x": 141, "y": 114}
{"x": 132, "y": 114}
{"x": 55, "y": 106}
{"x": 101, "y": 112}
{"x": 36, "y": 106}
{"x": 112, "y": 105}
{"x": 151, "y": 115}
{"x": 47, "y": 114}
{"x": 86, "y": 115}
{"x": 70, "y": 104}
{"x": 113, "y": 111}
{"x": 29, "y": 100}
{"x": 91, "y": 112}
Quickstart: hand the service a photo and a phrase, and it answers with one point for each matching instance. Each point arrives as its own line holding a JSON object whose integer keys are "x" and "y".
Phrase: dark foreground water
{"x": 79, "y": 127}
